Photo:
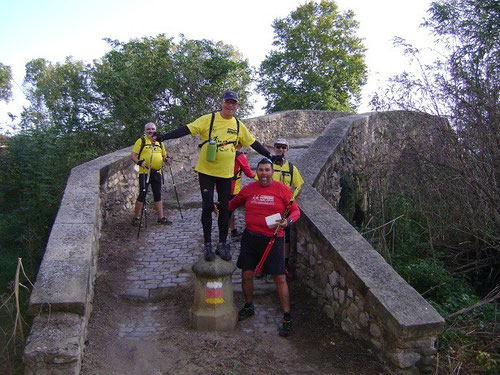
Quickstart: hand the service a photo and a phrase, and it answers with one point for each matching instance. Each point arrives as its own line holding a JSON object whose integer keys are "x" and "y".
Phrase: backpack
{"x": 212, "y": 126}
{"x": 290, "y": 171}
{"x": 143, "y": 144}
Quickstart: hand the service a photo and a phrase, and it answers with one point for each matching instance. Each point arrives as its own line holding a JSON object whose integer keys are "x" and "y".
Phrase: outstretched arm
{"x": 176, "y": 133}
{"x": 263, "y": 151}
{"x": 260, "y": 149}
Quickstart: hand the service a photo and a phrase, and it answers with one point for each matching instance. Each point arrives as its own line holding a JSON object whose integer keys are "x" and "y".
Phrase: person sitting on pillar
{"x": 220, "y": 133}
{"x": 149, "y": 155}
{"x": 262, "y": 199}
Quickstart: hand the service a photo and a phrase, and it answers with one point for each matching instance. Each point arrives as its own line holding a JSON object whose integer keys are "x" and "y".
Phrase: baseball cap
{"x": 230, "y": 95}
{"x": 281, "y": 141}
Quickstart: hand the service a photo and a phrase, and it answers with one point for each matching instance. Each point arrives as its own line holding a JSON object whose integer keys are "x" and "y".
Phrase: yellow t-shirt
{"x": 223, "y": 132}
{"x": 158, "y": 154}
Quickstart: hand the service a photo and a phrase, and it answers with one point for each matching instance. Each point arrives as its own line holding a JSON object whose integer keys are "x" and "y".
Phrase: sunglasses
{"x": 284, "y": 147}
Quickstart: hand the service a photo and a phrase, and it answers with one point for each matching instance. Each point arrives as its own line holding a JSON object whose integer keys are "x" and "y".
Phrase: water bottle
{"x": 211, "y": 150}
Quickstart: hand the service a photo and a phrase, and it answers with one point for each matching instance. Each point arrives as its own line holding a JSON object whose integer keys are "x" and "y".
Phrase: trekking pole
{"x": 142, "y": 213}
{"x": 175, "y": 191}
{"x": 269, "y": 246}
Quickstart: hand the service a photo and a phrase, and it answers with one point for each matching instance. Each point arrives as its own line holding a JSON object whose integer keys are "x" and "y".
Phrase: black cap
{"x": 230, "y": 95}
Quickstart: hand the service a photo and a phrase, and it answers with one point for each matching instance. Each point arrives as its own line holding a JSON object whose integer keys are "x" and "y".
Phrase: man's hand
{"x": 167, "y": 160}
{"x": 158, "y": 137}
{"x": 276, "y": 158}
{"x": 216, "y": 208}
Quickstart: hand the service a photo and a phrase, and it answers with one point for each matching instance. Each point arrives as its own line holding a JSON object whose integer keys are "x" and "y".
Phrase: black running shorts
{"x": 253, "y": 246}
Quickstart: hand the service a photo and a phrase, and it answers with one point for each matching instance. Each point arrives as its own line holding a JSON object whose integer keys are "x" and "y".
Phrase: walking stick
{"x": 175, "y": 191}
{"x": 143, "y": 211}
{"x": 269, "y": 246}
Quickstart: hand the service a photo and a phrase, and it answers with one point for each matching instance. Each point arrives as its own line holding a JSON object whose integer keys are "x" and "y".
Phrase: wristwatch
{"x": 289, "y": 221}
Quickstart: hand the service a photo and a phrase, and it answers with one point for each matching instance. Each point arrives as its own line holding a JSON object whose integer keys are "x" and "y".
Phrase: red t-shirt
{"x": 261, "y": 201}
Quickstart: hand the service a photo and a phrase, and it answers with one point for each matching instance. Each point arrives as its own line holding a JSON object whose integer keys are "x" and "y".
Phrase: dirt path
{"x": 140, "y": 321}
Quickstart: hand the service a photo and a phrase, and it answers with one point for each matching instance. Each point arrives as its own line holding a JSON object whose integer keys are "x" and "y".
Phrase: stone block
{"x": 342, "y": 281}
{"x": 54, "y": 345}
{"x": 329, "y": 291}
{"x": 341, "y": 296}
{"x": 350, "y": 293}
{"x": 334, "y": 278}
{"x": 375, "y": 330}
{"x": 213, "y": 308}
{"x": 404, "y": 359}
{"x": 353, "y": 312}
{"x": 62, "y": 285}
{"x": 363, "y": 319}
{"x": 329, "y": 312}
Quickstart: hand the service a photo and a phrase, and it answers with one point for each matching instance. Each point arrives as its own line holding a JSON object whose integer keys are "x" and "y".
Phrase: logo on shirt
{"x": 232, "y": 131}
{"x": 263, "y": 200}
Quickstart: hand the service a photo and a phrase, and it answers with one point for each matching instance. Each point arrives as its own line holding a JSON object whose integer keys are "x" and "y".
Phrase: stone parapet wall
{"x": 61, "y": 300}
{"x": 290, "y": 124}
{"x": 353, "y": 283}
{"x": 353, "y": 142}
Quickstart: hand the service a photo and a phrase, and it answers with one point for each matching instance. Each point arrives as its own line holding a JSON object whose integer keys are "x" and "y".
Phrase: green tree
{"x": 318, "y": 61}
{"x": 454, "y": 177}
{"x": 446, "y": 187}
{"x": 5, "y": 82}
{"x": 131, "y": 77}
{"x": 203, "y": 70}
{"x": 156, "y": 79}
{"x": 63, "y": 101}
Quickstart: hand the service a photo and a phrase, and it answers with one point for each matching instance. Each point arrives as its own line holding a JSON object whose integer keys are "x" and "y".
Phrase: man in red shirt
{"x": 264, "y": 198}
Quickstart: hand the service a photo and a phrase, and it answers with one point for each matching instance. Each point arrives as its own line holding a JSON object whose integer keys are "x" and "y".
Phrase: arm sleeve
{"x": 176, "y": 133}
{"x": 260, "y": 149}
{"x": 236, "y": 202}
{"x": 294, "y": 212}
{"x": 245, "y": 167}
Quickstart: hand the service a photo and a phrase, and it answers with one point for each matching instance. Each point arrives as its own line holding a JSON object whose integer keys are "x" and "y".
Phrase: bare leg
{"x": 247, "y": 285}
{"x": 231, "y": 221}
{"x": 138, "y": 208}
{"x": 159, "y": 209}
{"x": 282, "y": 288}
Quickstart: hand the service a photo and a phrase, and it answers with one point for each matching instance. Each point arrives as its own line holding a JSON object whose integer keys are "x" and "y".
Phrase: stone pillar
{"x": 213, "y": 308}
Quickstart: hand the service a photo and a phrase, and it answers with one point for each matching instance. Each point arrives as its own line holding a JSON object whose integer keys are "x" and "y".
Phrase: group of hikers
{"x": 269, "y": 202}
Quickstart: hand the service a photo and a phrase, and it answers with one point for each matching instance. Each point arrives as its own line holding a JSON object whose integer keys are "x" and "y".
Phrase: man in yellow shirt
{"x": 149, "y": 155}
{"x": 220, "y": 133}
{"x": 287, "y": 173}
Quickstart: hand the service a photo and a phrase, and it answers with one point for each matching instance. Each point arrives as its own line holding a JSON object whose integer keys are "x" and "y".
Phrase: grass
{"x": 13, "y": 327}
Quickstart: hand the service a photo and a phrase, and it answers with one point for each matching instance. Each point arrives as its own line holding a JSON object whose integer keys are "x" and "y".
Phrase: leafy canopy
{"x": 318, "y": 61}
{"x": 156, "y": 79}
{"x": 5, "y": 82}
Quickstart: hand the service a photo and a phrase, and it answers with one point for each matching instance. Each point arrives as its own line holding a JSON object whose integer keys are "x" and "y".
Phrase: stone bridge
{"x": 351, "y": 281}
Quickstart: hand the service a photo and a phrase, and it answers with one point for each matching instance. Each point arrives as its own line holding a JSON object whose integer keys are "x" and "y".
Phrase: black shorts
{"x": 253, "y": 246}
{"x": 155, "y": 182}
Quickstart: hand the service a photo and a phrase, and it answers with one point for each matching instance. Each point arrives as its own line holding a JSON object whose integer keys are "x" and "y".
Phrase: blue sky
{"x": 55, "y": 29}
